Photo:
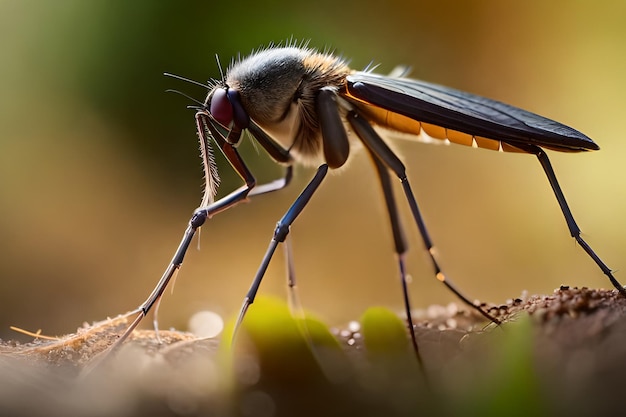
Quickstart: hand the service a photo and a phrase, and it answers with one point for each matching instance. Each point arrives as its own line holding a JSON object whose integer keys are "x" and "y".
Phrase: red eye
{"x": 220, "y": 108}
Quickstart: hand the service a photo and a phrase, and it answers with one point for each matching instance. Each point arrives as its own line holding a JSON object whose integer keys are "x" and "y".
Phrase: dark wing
{"x": 463, "y": 112}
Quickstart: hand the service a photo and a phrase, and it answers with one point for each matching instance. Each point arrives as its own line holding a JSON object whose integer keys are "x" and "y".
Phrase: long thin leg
{"x": 569, "y": 218}
{"x": 280, "y": 234}
{"x": 232, "y": 199}
{"x": 201, "y": 214}
{"x": 400, "y": 244}
{"x": 197, "y": 220}
{"x": 227, "y": 141}
{"x": 199, "y": 217}
{"x": 294, "y": 301}
{"x": 378, "y": 147}
{"x": 275, "y": 185}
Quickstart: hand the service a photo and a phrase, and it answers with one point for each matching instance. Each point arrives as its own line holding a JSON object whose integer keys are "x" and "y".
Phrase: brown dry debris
{"x": 78, "y": 349}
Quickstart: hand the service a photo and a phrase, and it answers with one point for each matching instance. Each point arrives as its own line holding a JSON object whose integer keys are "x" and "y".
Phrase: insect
{"x": 303, "y": 106}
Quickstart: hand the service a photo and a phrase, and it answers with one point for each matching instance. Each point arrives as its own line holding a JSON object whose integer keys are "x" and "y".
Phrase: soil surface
{"x": 576, "y": 357}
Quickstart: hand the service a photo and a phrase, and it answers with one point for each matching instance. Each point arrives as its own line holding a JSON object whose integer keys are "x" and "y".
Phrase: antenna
{"x": 219, "y": 66}
{"x": 201, "y": 104}
{"x": 188, "y": 80}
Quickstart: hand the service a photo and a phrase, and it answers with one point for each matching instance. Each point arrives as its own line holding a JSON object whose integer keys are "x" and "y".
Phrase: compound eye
{"x": 220, "y": 107}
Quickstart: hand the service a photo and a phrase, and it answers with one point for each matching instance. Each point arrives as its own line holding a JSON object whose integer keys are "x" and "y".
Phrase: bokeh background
{"x": 99, "y": 167}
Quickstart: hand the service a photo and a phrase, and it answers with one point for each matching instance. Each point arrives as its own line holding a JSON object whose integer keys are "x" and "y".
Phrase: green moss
{"x": 298, "y": 367}
{"x": 502, "y": 380}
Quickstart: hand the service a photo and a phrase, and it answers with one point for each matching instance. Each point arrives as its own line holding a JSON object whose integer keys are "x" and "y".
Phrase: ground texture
{"x": 558, "y": 354}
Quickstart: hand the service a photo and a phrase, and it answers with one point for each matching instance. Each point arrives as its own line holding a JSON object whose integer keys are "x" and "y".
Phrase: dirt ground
{"x": 570, "y": 359}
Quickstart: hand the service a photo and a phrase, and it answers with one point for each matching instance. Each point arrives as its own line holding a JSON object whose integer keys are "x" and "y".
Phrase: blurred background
{"x": 99, "y": 167}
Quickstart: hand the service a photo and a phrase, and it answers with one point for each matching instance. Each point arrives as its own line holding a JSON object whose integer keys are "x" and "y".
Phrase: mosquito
{"x": 305, "y": 106}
